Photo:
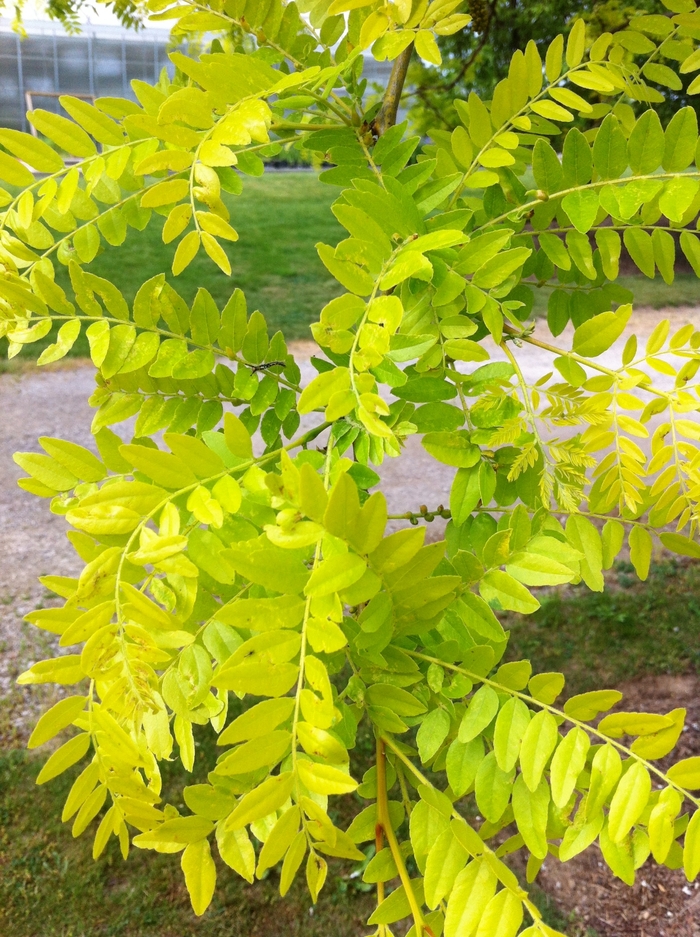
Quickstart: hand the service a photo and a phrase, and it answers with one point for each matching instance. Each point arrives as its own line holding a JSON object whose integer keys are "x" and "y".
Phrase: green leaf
{"x": 432, "y": 733}
{"x": 321, "y": 389}
{"x": 605, "y": 773}
{"x": 500, "y": 267}
{"x": 533, "y": 569}
{"x": 641, "y": 546}
{"x": 610, "y": 149}
{"x": 547, "y": 168}
{"x": 200, "y": 875}
{"x": 646, "y": 144}
{"x": 554, "y": 248}
{"x": 64, "y": 757}
{"x": 236, "y": 849}
{"x": 530, "y": 809}
{"x": 186, "y": 251}
{"x": 12, "y": 171}
{"x": 350, "y": 275}
{"x": 691, "y": 848}
{"x": 463, "y": 760}
{"x": 473, "y": 889}
{"x": 618, "y": 724}
{"x": 46, "y": 470}
{"x": 546, "y": 687}
{"x": 581, "y": 253}
{"x": 511, "y": 725}
{"x": 584, "y": 537}
{"x": 453, "y": 448}
{"x": 363, "y": 827}
{"x": 101, "y": 127}
{"x": 270, "y": 566}
{"x": 261, "y": 801}
{"x": 582, "y": 208}
{"x": 335, "y": 574}
{"x": 680, "y": 544}
{"x": 608, "y": 243}
{"x": 262, "y": 752}
{"x": 690, "y": 245}
{"x": 78, "y": 460}
{"x": 577, "y": 160}
{"x": 447, "y": 857}
{"x": 597, "y": 334}
{"x": 629, "y": 801}
{"x": 686, "y": 773}
{"x": 567, "y": 764}
{"x": 497, "y": 586}
{"x": 55, "y": 719}
{"x": 481, "y": 711}
{"x": 396, "y": 906}
{"x": 165, "y": 193}
{"x": 260, "y": 677}
{"x": 664, "y": 252}
{"x": 255, "y": 340}
{"x": 586, "y": 706}
{"x": 163, "y": 467}
{"x": 465, "y": 494}
{"x": 680, "y": 140}
{"x": 618, "y": 857}
{"x": 395, "y": 699}
{"x": 66, "y": 338}
{"x": 67, "y": 135}
{"x": 278, "y": 842}
{"x": 292, "y": 861}
{"x": 257, "y": 721}
{"x": 678, "y": 195}
{"x": 121, "y": 341}
{"x": 481, "y": 249}
{"x": 493, "y": 788}
{"x": 540, "y": 740}
{"x": 576, "y": 44}
{"x": 477, "y": 616}
{"x": 325, "y": 779}
{"x": 580, "y": 835}
{"x": 31, "y": 150}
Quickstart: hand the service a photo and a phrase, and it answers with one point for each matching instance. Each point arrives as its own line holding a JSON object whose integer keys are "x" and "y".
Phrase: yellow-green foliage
{"x": 221, "y": 561}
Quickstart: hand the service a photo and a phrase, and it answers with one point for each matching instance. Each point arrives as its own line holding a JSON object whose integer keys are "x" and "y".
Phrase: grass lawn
{"x": 50, "y": 886}
{"x": 280, "y": 218}
{"x": 602, "y": 639}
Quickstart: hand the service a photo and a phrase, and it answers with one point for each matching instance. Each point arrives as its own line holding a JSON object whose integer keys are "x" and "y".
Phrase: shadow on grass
{"x": 51, "y": 887}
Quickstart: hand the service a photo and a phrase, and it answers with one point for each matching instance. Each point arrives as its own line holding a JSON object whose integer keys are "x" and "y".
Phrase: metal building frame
{"x": 100, "y": 61}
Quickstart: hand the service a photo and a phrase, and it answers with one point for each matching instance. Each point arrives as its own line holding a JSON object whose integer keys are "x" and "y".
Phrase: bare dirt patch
{"x": 661, "y": 903}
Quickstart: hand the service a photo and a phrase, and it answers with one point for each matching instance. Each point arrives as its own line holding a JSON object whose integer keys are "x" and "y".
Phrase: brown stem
{"x": 386, "y": 117}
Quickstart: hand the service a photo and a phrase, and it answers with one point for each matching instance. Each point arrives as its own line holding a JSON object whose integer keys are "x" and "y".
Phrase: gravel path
{"x": 53, "y": 402}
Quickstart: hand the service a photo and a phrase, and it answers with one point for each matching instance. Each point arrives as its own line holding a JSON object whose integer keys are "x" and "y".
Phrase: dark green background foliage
{"x": 476, "y": 59}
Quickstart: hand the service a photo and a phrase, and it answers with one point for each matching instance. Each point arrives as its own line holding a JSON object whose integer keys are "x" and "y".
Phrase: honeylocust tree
{"x": 232, "y": 553}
